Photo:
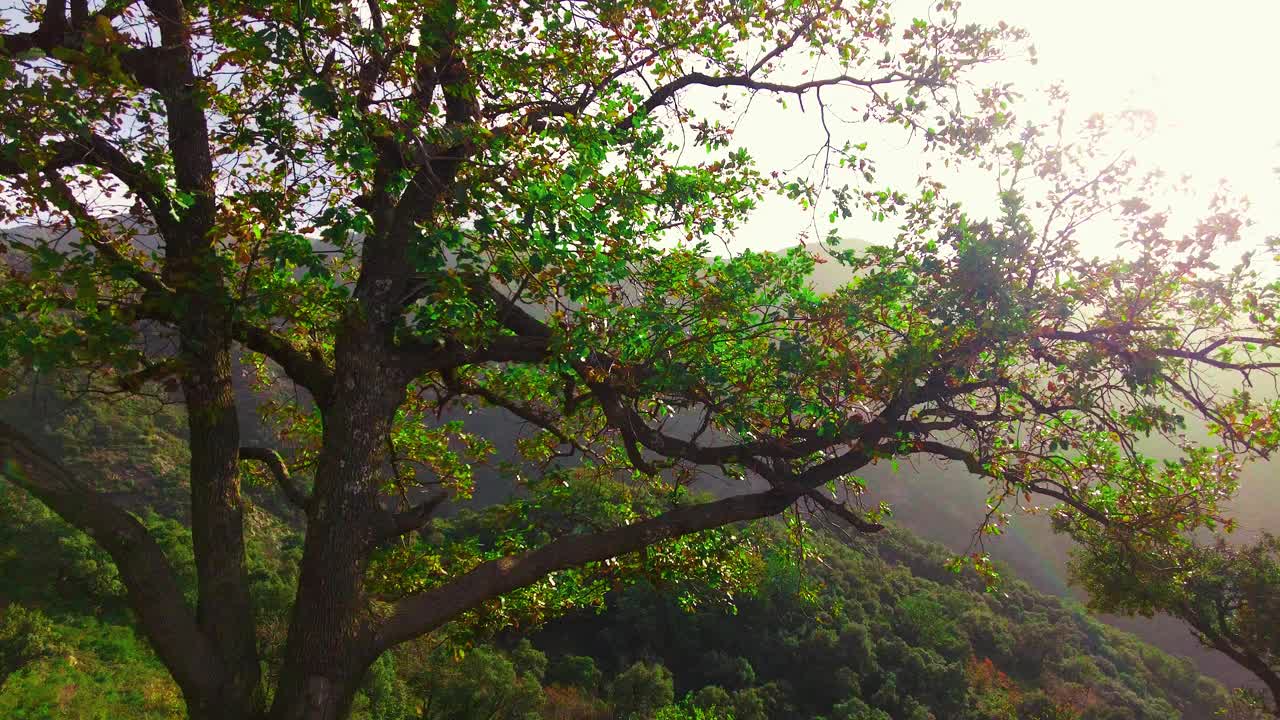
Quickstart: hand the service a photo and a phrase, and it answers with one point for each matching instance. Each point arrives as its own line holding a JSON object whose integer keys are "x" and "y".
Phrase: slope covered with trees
{"x": 883, "y": 630}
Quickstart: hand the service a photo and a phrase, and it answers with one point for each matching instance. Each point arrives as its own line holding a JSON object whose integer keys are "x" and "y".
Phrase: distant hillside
{"x": 880, "y": 629}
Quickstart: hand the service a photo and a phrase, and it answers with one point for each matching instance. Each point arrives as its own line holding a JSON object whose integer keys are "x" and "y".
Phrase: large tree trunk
{"x": 224, "y": 609}
{"x": 329, "y": 646}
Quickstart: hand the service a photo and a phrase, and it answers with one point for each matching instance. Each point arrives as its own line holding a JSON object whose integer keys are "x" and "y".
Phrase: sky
{"x": 1204, "y": 70}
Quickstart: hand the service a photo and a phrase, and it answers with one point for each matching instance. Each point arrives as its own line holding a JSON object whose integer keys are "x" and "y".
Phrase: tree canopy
{"x": 393, "y": 212}
{"x": 1229, "y": 596}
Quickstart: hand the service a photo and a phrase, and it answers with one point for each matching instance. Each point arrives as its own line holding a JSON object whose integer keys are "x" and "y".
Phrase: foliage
{"x": 880, "y": 630}
{"x": 994, "y": 694}
{"x": 25, "y": 636}
{"x": 1228, "y": 594}
{"x": 102, "y": 670}
{"x": 575, "y": 671}
{"x": 483, "y": 684}
{"x": 687, "y": 709}
{"x": 641, "y": 691}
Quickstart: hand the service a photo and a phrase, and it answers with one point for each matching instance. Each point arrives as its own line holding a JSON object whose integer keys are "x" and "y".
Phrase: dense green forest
{"x": 862, "y": 628}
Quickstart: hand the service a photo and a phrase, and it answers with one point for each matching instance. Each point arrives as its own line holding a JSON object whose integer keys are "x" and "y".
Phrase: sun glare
{"x": 1204, "y": 70}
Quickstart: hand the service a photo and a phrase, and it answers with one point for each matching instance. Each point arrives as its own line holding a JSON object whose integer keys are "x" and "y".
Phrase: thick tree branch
{"x": 626, "y": 422}
{"x": 307, "y": 369}
{"x": 419, "y": 358}
{"x": 524, "y": 412}
{"x": 150, "y": 67}
{"x": 1211, "y": 637}
{"x": 164, "y": 369}
{"x": 49, "y": 35}
{"x": 92, "y": 230}
{"x": 793, "y": 447}
{"x": 96, "y": 151}
{"x": 385, "y": 269}
{"x": 280, "y": 472}
{"x": 392, "y": 525}
{"x": 842, "y": 511}
{"x": 190, "y": 265}
{"x": 421, "y": 613}
{"x": 152, "y": 587}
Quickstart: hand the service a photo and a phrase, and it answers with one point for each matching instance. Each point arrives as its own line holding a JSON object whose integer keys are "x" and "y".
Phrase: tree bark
{"x": 1254, "y": 664}
{"x": 224, "y": 609}
{"x": 328, "y": 648}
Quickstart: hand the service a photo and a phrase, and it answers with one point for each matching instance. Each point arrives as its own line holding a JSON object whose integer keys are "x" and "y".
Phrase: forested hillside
{"x": 867, "y": 628}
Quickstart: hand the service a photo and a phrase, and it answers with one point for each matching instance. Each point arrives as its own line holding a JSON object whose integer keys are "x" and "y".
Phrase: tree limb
{"x": 307, "y": 369}
{"x": 842, "y": 511}
{"x": 523, "y": 412}
{"x": 152, "y": 587}
{"x": 1248, "y": 660}
{"x": 134, "y": 381}
{"x": 395, "y": 524}
{"x": 420, "y": 613}
{"x": 664, "y": 93}
{"x": 96, "y": 151}
{"x": 418, "y": 358}
{"x": 975, "y": 466}
{"x": 150, "y": 67}
{"x": 280, "y": 471}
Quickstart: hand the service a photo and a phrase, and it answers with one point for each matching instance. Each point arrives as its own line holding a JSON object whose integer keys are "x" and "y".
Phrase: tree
{"x": 577, "y": 671}
{"x": 640, "y": 691}
{"x": 856, "y": 709}
{"x": 1229, "y": 595}
{"x": 712, "y": 698}
{"x": 25, "y": 636}
{"x": 482, "y": 685}
{"x": 394, "y": 212}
